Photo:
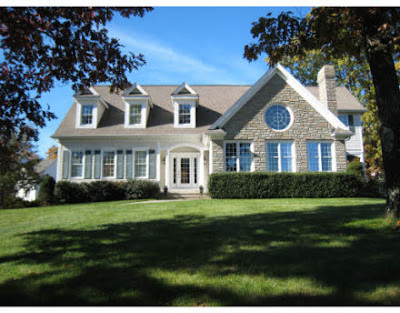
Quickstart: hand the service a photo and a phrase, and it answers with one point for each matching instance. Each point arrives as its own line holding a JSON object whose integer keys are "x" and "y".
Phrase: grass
{"x": 206, "y": 252}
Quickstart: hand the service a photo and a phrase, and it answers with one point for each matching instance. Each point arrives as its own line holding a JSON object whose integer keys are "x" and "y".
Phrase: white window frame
{"x": 333, "y": 156}
{"x": 147, "y": 162}
{"x": 238, "y": 142}
{"x": 192, "y": 103}
{"x": 293, "y": 150}
{"x": 102, "y": 164}
{"x": 78, "y": 118}
{"x": 83, "y": 164}
{"x": 143, "y": 113}
{"x": 290, "y": 113}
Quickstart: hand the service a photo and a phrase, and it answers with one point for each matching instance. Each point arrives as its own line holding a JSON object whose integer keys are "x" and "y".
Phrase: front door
{"x": 185, "y": 170}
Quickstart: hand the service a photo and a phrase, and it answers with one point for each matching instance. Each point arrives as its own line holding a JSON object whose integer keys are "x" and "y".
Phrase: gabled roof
{"x": 44, "y": 165}
{"x": 184, "y": 89}
{"x": 291, "y": 81}
{"x": 135, "y": 90}
{"x": 87, "y": 91}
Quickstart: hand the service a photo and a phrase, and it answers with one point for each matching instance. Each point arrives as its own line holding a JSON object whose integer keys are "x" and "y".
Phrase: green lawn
{"x": 206, "y": 252}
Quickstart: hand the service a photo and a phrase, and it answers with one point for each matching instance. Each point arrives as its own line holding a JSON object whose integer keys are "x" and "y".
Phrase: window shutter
{"x": 152, "y": 164}
{"x": 65, "y": 174}
{"x": 88, "y": 164}
{"x": 120, "y": 164}
{"x": 129, "y": 164}
{"x": 97, "y": 164}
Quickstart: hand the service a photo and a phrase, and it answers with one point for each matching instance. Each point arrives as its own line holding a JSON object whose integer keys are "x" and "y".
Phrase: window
{"x": 277, "y": 117}
{"x": 77, "y": 164}
{"x": 86, "y": 114}
{"x": 135, "y": 114}
{"x": 279, "y": 157}
{"x": 108, "y": 164}
{"x": 238, "y": 157}
{"x": 348, "y": 120}
{"x": 140, "y": 163}
{"x": 184, "y": 113}
{"x": 319, "y": 156}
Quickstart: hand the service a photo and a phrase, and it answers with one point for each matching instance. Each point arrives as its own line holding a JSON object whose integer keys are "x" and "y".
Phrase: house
{"x": 43, "y": 168}
{"x": 179, "y": 135}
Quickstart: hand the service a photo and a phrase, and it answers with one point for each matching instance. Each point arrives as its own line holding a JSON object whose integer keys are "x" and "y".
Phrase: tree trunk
{"x": 388, "y": 103}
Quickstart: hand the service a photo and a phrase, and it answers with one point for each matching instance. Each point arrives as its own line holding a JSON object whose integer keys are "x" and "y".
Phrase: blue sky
{"x": 197, "y": 45}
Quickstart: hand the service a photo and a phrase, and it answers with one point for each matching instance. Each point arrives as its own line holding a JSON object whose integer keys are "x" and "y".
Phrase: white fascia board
{"x": 182, "y": 86}
{"x": 291, "y": 81}
{"x": 135, "y": 86}
{"x": 243, "y": 99}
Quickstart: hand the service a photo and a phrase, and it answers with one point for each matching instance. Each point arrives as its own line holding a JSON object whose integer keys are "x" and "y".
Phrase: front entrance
{"x": 184, "y": 170}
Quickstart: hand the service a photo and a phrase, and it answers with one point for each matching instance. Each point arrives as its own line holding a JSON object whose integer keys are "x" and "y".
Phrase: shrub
{"x": 105, "y": 191}
{"x": 355, "y": 167}
{"x": 283, "y": 185}
{"x": 46, "y": 190}
{"x": 69, "y": 192}
{"x": 141, "y": 189}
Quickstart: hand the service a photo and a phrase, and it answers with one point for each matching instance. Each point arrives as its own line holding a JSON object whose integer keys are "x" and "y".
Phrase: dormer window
{"x": 137, "y": 106}
{"x": 87, "y": 115}
{"x": 135, "y": 114}
{"x": 185, "y": 100}
{"x": 184, "y": 114}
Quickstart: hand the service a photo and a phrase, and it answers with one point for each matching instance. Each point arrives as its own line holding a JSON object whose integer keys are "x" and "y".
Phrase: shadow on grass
{"x": 115, "y": 264}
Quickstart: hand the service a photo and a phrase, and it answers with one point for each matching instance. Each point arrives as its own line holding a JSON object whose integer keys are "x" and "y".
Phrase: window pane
{"x": 343, "y": 118}
{"x": 244, "y": 157}
{"x": 86, "y": 114}
{"x": 108, "y": 164}
{"x": 140, "y": 163}
{"x": 286, "y": 157}
{"x": 277, "y": 117}
{"x": 326, "y": 154}
{"x": 272, "y": 157}
{"x": 135, "y": 114}
{"x": 230, "y": 157}
{"x": 351, "y": 123}
{"x": 184, "y": 114}
{"x": 313, "y": 157}
{"x": 77, "y": 164}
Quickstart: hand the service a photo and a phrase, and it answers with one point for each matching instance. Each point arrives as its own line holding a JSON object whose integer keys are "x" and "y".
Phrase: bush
{"x": 96, "y": 191}
{"x": 283, "y": 185}
{"x": 141, "y": 189}
{"x": 46, "y": 190}
{"x": 372, "y": 189}
{"x": 355, "y": 167}
{"x": 69, "y": 192}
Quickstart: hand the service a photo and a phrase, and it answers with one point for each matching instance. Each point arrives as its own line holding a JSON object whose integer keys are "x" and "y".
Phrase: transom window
{"x": 184, "y": 114}
{"x": 86, "y": 114}
{"x": 135, "y": 114}
{"x": 277, "y": 117}
{"x": 140, "y": 163}
{"x": 279, "y": 157}
{"x": 77, "y": 164}
{"x": 319, "y": 156}
{"x": 238, "y": 156}
{"x": 108, "y": 164}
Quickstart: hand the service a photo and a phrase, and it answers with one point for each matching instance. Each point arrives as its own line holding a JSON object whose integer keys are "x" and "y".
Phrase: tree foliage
{"x": 370, "y": 34}
{"x": 51, "y": 153}
{"x": 40, "y": 46}
{"x": 355, "y": 75}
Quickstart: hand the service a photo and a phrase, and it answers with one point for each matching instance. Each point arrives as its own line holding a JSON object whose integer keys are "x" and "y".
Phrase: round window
{"x": 277, "y": 117}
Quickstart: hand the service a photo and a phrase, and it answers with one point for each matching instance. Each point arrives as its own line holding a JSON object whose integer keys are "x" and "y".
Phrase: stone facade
{"x": 249, "y": 125}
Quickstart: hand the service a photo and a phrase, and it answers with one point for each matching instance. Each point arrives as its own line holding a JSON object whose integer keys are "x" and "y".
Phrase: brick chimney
{"x": 327, "y": 88}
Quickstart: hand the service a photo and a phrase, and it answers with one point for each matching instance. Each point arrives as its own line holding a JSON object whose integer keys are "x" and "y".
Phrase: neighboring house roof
{"x": 44, "y": 165}
{"x": 345, "y": 99}
{"x": 214, "y": 101}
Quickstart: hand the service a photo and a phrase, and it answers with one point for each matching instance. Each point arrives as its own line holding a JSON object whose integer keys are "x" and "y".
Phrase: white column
{"x": 201, "y": 167}
{"x": 210, "y": 159}
{"x": 158, "y": 161}
{"x": 167, "y": 170}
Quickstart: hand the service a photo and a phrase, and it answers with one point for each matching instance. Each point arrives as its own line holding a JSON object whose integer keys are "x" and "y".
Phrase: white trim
{"x": 147, "y": 162}
{"x": 133, "y": 87}
{"x": 333, "y": 156}
{"x": 291, "y": 81}
{"x": 210, "y": 158}
{"x": 179, "y": 102}
{"x": 143, "y": 113}
{"x": 102, "y": 164}
{"x": 70, "y": 165}
{"x": 290, "y": 113}
{"x": 238, "y": 142}
{"x": 184, "y": 86}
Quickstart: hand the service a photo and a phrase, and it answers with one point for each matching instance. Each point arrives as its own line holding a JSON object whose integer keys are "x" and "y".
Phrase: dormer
{"x": 137, "y": 107}
{"x": 185, "y": 101}
{"x": 89, "y": 108}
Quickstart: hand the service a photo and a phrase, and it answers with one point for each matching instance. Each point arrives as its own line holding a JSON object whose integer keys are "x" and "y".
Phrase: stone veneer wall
{"x": 249, "y": 125}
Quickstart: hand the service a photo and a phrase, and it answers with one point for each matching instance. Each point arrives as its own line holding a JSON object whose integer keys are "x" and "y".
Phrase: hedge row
{"x": 97, "y": 191}
{"x": 283, "y": 185}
